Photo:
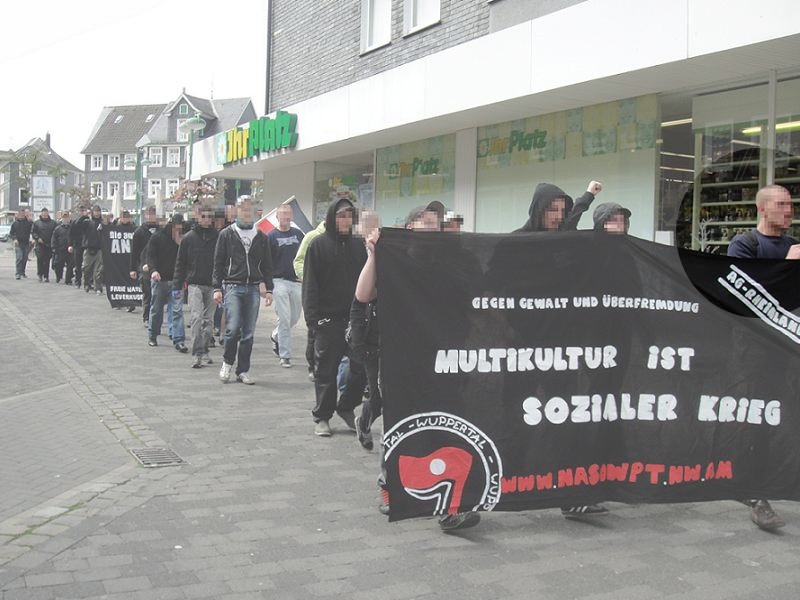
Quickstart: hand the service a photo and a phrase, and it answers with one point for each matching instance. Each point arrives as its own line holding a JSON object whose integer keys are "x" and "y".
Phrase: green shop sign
{"x": 262, "y": 135}
{"x": 517, "y": 141}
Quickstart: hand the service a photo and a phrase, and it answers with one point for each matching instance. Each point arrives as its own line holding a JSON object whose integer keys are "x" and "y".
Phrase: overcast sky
{"x": 62, "y": 62}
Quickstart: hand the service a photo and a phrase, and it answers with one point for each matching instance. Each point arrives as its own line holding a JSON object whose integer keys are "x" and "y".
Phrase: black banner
{"x": 561, "y": 369}
{"x": 121, "y": 290}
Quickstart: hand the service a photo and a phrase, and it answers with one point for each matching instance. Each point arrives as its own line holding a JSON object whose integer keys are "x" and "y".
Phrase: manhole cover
{"x": 157, "y": 457}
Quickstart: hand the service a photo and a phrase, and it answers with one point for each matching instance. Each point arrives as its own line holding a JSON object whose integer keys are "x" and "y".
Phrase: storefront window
{"x": 349, "y": 177}
{"x": 614, "y": 143}
{"x": 414, "y": 174}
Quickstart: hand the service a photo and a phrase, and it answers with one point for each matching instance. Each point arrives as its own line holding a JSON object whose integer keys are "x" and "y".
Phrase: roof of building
{"x": 119, "y": 127}
{"x": 45, "y": 156}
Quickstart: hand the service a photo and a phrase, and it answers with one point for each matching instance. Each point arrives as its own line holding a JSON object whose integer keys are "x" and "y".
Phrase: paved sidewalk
{"x": 264, "y": 509}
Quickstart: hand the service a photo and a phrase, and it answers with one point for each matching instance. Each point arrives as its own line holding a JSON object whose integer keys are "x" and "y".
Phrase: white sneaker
{"x": 225, "y": 372}
{"x": 245, "y": 379}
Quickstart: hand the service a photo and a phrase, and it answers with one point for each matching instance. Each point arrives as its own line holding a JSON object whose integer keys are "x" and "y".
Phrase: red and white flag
{"x": 270, "y": 221}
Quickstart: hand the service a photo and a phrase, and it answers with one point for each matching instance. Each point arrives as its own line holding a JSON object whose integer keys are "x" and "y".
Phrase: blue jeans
{"x": 21, "y": 254}
{"x": 162, "y": 294}
{"x": 241, "y": 313}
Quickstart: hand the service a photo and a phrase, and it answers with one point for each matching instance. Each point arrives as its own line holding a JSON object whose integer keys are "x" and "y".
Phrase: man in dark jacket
{"x": 91, "y": 232}
{"x": 42, "y": 234}
{"x": 61, "y": 256}
{"x": 333, "y": 263}
{"x": 75, "y": 241}
{"x": 137, "y": 269}
{"x": 162, "y": 252}
{"x": 21, "y": 234}
{"x": 243, "y": 268}
{"x": 552, "y": 209}
{"x": 195, "y": 266}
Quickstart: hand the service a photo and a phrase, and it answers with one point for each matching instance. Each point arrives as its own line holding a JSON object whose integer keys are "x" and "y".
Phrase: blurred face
{"x": 615, "y": 224}
{"x": 344, "y": 221}
{"x": 553, "y": 215}
{"x": 65, "y": 217}
{"x": 206, "y": 218}
{"x": 284, "y": 217}
{"x": 44, "y": 214}
{"x": 177, "y": 233}
{"x": 96, "y": 214}
{"x": 125, "y": 219}
{"x": 150, "y": 216}
{"x": 777, "y": 211}
{"x": 245, "y": 212}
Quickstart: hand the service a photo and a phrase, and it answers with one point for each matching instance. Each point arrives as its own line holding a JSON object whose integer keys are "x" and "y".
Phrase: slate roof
{"x": 46, "y": 156}
{"x": 110, "y": 136}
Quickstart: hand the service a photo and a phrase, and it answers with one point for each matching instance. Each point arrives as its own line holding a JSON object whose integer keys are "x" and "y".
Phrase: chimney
{"x": 47, "y": 139}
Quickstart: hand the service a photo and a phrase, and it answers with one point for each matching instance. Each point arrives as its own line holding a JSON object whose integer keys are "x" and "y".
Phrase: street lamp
{"x": 192, "y": 124}
{"x": 140, "y": 163}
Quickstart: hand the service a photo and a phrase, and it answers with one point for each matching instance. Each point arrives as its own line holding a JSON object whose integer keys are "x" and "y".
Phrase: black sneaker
{"x": 212, "y": 343}
{"x": 767, "y": 519}
{"x": 578, "y": 512}
{"x": 181, "y": 347}
{"x": 463, "y": 520}
{"x": 364, "y": 437}
{"x": 349, "y": 419}
{"x": 197, "y": 363}
{"x": 152, "y": 342}
{"x": 275, "y": 348}
{"x": 131, "y": 308}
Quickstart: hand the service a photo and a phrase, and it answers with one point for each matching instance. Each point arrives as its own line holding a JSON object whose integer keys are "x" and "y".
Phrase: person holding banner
{"x": 610, "y": 217}
{"x": 243, "y": 267}
{"x": 768, "y": 240}
{"x": 194, "y": 266}
{"x": 552, "y": 209}
{"x": 284, "y": 241}
{"x": 332, "y": 265}
{"x": 141, "y": 236}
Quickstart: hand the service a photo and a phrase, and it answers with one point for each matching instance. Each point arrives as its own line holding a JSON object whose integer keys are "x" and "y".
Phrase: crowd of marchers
{"x": 223, "y": 266}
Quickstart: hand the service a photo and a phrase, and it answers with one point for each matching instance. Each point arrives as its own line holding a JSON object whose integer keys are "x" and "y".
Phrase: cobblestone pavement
{"x": 264, "y": 509}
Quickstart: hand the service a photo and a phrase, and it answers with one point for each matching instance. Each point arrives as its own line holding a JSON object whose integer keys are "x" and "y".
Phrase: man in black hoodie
{"x": 195, "y": 265}
{"x": 610, "y": 217}
{"x": 161, "y": 256}
{"x": 61, "y": 256}
{"x": 42, "y": 234}
{"x": 21, "y": 234}
{"x": 141, "y": 236}
{"x": 552, "y": 209}
{"x": 91, "y": 232}
{"x": 243, "y": 267}
{"x": 332, "y": 265}
{"x": 75, "y": 240}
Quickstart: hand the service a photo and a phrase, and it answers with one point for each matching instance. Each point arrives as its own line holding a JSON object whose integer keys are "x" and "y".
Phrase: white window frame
{"x": 375, "y": 12}
{"x": 153, "y": 186}
{"x": 2, "y": 176}
{"x": 181, "y": 136}
{"x": 96, "y": 189}
{"x": 62, "y": 179}
{"x": 126, "y": 158}
{"x": 112, "y": 189}
{"x": 172, "y": 187}
{"x": 2, "y": 199}
{"x": 113, "y": 162}
{"x": 129, "y": 190}
{"x": 96, "y": 162}
{"x": 183, "y": 109}
{"x": 171, "y": 152}
{"x": 156, "y": 155}
{"x": 413, "y": 15}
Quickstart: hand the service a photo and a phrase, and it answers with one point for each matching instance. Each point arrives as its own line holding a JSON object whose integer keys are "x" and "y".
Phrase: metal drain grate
{"x": 157, "y": 457}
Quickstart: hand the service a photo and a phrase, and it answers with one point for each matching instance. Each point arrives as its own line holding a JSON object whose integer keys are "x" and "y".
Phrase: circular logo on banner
{"x": 221, "y": 148}
{"x": 459, "y": 467}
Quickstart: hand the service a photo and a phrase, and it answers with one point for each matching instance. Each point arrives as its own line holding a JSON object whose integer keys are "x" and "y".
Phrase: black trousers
{"x": 43, "y": 255}
{"x": 61, "y": 262}
{"x": 329, "y": 349}
{"x": 78, "y": 254}
{"x": 147, "y": 295}
{"x": 373, "y": 407}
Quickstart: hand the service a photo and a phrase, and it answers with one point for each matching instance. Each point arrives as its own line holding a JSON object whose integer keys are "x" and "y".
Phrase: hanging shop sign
{"x": 262, "y": 135}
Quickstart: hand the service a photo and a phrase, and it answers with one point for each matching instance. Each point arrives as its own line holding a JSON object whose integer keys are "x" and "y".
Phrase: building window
{"x": 129, "y": 190}
{"x": 155, "y": 157}
{"x": 419, "y": 14}
{"x": 129, "y": 162}
{"x": 2, "y": 176}
{"x": 119, "y": 118}
{"x": 174, "y": 156}
{"x": 97, "y": 162}
{"x": 182, "y": 136}
{"x": 183, "y": 109}
{"x": 2, "y": 199}
{"x": 113, "y": 190}
{"x": 153, "y": 188}
{"x": 113, "y": 162}
{"x": 62, "y": 179}
{"x": 62, "y": 200}
{"x": 97, "y": 189}
{"x": 172, "y": 187}
{"x": 376, "y": 24}
{"x": 149, "y": 118}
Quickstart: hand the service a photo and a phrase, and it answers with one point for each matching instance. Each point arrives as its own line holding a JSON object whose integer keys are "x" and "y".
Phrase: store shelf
{"x": 724, "y": 184}
{"x": 780, "y": 180}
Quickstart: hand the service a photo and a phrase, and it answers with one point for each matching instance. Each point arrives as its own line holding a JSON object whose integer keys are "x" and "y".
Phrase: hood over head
{"x": 330, "y": 218}
{"x": 544, "y": 194}
{"x": 605, "y": 211}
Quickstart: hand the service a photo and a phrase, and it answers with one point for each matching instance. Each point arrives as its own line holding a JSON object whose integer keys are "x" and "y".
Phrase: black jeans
{"x": 60, "y": 262}
{"x": 147, "y": 295}
{"x": 78, "y": 254}
{"x": 43, "y": 255}
{"x": 373, "y": 407}
{"x": 329, "y": 349}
